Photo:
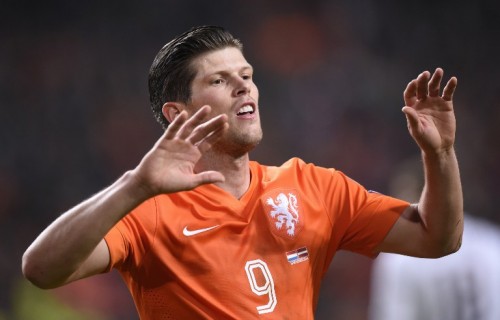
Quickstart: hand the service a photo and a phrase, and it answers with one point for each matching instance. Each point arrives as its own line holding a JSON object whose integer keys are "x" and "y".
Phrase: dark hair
{"x": 171, "y": 73}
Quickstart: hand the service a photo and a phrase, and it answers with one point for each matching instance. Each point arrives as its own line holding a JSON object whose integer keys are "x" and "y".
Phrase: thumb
{"x": 411, "y": 117}
{"x": 206, "y": 177}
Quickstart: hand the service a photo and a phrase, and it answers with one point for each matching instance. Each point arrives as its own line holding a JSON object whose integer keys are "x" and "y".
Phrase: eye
{"x": 246, "y": 76}
{"x": 218, "y": 81}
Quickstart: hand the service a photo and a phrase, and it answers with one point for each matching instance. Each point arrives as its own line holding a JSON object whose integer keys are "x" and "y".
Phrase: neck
{"x": 235, "y": 170}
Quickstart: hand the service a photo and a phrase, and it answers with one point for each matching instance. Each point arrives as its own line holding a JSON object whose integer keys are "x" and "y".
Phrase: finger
{"x": 435, "y": 82}
{"x": 415, "y": 126}
{"x": 410, "y": 93}
{"x": 175, "y": 125}
{"x": 411, "y": 118}
{"x": 209, "y": 141}
{"x": 205, "y": 129}
{"x": 206, "y": 177}
{"x": 449, "y": 89}
{"x": 422, "y": 85}
{"x": 191, "y": 123}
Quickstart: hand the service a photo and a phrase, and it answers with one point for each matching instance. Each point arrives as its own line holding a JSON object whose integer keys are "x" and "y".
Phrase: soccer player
{"x": 197, "y": 230}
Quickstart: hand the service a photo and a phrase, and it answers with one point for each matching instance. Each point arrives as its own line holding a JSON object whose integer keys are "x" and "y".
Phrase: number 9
{"x": 266, "y": 288}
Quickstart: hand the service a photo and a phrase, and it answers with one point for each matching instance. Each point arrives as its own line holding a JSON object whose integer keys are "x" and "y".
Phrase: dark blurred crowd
{"x": 74, "y": 111}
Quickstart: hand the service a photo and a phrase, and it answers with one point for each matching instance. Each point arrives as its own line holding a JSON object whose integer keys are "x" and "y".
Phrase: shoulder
{"x": 144, "y": 215}
{"x": 296, "y": 172}
{"x": 292, "y": 165}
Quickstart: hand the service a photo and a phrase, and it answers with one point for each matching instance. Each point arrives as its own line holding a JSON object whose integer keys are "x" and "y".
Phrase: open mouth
{"x": 246, "y": 109}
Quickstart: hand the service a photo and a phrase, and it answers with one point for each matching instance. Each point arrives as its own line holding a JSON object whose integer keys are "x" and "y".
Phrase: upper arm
{"x": 408, "y": 236}
{"x": 96, "y": 263}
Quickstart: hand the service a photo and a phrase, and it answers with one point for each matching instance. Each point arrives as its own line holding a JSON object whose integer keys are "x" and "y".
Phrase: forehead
{"x": 222, "y": 60}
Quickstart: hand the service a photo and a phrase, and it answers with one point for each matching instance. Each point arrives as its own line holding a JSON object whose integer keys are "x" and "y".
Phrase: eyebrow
{"x": 248, "y": 66}
{"x": 243, "y": 68}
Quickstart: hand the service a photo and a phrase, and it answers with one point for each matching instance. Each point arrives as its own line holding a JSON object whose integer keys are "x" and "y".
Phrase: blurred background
{"x": 74, "y": 111}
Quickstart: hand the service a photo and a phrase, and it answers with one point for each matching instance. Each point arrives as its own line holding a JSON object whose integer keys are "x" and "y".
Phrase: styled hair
{"x": 172, "y": 73}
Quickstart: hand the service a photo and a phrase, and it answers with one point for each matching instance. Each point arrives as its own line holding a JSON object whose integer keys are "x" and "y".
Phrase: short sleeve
{"x": 132, "y": 236}
{"x": 366, "y": 216}
{"x": 360, "y": 218}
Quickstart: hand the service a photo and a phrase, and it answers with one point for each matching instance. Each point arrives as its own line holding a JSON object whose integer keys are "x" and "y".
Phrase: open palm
{"x": 431, "y": 118}
{"x": 169, "y": 166}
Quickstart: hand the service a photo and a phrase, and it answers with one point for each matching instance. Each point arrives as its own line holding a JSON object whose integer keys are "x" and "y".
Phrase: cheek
{"x": 255, "y": 91}
{"x": 209, "y": 98}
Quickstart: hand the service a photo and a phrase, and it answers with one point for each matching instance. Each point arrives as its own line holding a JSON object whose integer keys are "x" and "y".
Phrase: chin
{"x": 238, "y": 146}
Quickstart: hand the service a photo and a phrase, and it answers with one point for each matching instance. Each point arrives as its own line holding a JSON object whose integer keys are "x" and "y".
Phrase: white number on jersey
{"x": 266, "y": 288}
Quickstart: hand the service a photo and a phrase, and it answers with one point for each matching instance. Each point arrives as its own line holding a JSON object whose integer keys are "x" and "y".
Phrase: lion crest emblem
{"x": 285, "y": 212}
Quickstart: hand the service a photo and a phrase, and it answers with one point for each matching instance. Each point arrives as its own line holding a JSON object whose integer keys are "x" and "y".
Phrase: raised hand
{"x": 430, "y": 116}
{"x": 169, "y": 166}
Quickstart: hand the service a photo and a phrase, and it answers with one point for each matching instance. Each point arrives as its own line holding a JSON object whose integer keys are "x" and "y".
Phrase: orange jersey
{"x": 203, "y": 254}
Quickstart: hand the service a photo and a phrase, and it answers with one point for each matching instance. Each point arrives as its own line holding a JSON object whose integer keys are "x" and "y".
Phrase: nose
{"x": 242, "y": 87}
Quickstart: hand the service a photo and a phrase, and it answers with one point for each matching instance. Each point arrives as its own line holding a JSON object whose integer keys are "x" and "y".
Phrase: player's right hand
{"x": 169, "y": 166}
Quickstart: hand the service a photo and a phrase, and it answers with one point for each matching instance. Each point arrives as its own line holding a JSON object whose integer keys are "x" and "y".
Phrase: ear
{"x": 171, "y": 110}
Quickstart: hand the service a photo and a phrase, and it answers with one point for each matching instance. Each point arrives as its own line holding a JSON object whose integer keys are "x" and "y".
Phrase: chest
{"x": 267, "y": 226}
{"x": 266, "y": 254}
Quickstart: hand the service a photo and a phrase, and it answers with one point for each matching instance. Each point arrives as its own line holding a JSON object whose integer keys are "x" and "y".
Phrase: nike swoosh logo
{"x": 189, "y": 233}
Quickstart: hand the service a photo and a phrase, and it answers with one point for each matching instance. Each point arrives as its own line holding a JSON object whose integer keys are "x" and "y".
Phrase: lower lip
{"x": 247, "y": 116}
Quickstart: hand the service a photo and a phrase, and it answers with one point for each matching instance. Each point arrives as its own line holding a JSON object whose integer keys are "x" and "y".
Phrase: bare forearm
{"x": 72, "y": 247}
{"x": 441, "y": 203}
{"x": 63, "y": 246}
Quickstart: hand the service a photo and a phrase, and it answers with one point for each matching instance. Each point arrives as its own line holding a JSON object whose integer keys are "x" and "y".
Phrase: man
{"x": 197, "y": 230}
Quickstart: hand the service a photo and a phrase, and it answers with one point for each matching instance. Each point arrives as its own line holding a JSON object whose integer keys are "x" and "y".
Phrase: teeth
{"x": 245, "y": 109}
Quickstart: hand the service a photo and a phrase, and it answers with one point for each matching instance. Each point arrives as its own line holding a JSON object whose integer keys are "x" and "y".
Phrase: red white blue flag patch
{"x": 298, "y": 255}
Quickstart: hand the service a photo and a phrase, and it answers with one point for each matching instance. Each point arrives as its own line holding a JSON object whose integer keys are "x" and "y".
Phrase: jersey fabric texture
{"x": 203, "y": 254}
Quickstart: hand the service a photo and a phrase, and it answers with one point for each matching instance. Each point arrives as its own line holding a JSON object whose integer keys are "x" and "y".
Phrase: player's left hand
{"x": 430, "y": 116}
